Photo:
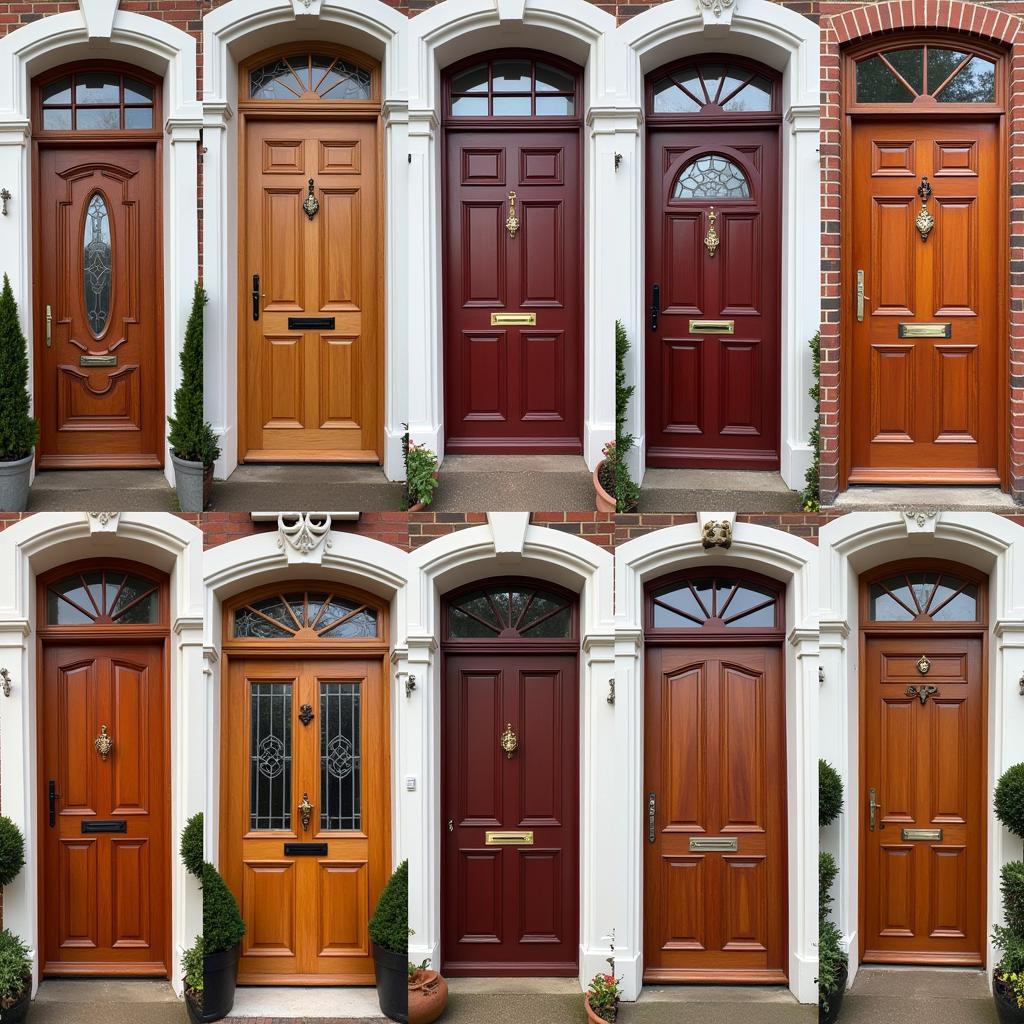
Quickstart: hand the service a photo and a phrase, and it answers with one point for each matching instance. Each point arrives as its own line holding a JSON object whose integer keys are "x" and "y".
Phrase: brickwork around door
{"x": 596, "y": 527}
{"x": 843, "y": 23}
{"x": 387, "y": 527}
{"x": 629, "y": 527}
{"x": 622, "y": 11}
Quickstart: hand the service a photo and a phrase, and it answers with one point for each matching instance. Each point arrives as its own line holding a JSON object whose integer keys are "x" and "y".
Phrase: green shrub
{"x": 831, "y": 962}
{"x": 223, "y": 926}
{"x": 1011, "y": 945}
{"x": 389, "y": 926}
{"x": 830, "y": 794}
{"x": 19, "y": 432}
{"x": 191, "y": 437}
{"x": 1012, "y": 888}
{"x": 192, "y": 845}
{"x": 192, "y": 967}
{"x": 811, "y": 495}
{"x": 15, "y": 967}
{"x": 1009, "y": 799}
{"x": 420, "y": 467}
{"x": 828, "y": 872}
{"x": 627, "y": 494}
{"x": 12, "y": 851}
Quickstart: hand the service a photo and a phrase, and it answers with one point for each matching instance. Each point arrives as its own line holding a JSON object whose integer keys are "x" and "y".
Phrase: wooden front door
{"x": 97, "y": 295}
{"x": 513, "y": 248}
{"x": 713, "y": 282}
{"x": 311, "y": 277}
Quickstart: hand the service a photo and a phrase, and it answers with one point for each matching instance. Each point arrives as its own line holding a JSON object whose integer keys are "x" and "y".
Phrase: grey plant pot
{"x": 188, "y": 482}
{"x": 14, "y": 477}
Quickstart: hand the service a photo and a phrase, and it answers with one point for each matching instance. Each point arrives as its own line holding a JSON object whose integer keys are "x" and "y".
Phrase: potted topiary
{"x": 1008, "y": 938}
{"x": 192, "y": 846}
{"x": 193, "y": 443}
{"x": 613, "y": 485}
{"x": 19, "y": 432}
{"x": 223, "y": 929}
{"x": 15, "y": 961}
{"x": 389, "y": 932}
{"x": 833, "y": 961}
{"x": 192, "y": 973}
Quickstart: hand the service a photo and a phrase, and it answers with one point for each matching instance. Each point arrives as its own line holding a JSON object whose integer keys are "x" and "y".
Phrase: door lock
{"x": 652, "y": 816}
{"x": 655, "y": 306}
{"x": 53, "y": 796}
{"x": 451, "y": 825}
{"x": 873, "y": 807}
{"x": 49, "y": 326}
{"x": 860, "y": 295}
{"x": 256, "y": 296}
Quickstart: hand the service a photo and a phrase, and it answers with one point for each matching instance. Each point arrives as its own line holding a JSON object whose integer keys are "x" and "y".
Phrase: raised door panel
{"x": 482, "y": 255}
{"x": 285, "y": 271}
{"x": 77, "y": 696}
{"x": 132, "y": 715}
{"x": 480, "y": 897}
{"x": 542, "y": 376}
{"x": 540, "y": 709}
{"x": 956, "y": 394}
{"x": 684, "y": 267}
{"x": 79, "y": 921}
{"x": 344, "y": 904}
{"x": 685, "y": 776}
{"x": 542, "y": 255}
{"x": 341, "y": 244}
{"x": 683, "y": 911}
{"x": 269, "y": 901}
{"x": 893, "y": 271}
{"x": 130, "y": 872}
{"x": 745, "y": 900}
{"x": 541, "y": 903}
{"x": 681, "y": 385}
{"x": 742, "y": 755}
{"x": 479, "y": 770}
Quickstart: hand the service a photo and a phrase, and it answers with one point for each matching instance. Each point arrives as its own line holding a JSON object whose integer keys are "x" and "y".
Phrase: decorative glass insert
{"x": 97, "y": 101}
{"x": 97, "y": 264}
{"x": 715, "y": 602}
{"x": 341, "y": 754}
{"x": 310, "y": 76}
{"x": 321, "y": 613}
{"x": 513, "y": 87}
{"x": 926, "y": 74}
{"x": 510, "y": 611}
{"x": 711, "y": 177}
{"x": 270, "y": 757}
{"x": 103, "y": 596}
{"x": 712, "y": 88}
{"x": 918, "y": 596}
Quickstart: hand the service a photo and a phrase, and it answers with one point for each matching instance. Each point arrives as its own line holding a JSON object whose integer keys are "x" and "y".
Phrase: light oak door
{"x": 105, "y": 830}
{"x": 922, "y": 884}
{"x": 312, "y": 279}
{"x": 307, "y": 851}
{"x": 926, "y": 344}
{"x": 715, "y": 815}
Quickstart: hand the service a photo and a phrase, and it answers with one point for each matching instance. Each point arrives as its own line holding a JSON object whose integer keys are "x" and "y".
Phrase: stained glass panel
{"x": 712, "y": 177}
{"x": 281, "y": 616}
{"x": 97, "y": 262}
{"x": 340, "y": 757}
{"x": 270, "y": 757}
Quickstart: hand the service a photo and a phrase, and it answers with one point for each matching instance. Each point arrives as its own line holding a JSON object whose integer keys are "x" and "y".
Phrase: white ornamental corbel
{"x": 303, "y": 535}
{"x": 717, "y": 14}
{"x": 103, "y": 522}
{"x": 306, "y": 7}
{"x": 919, "y": 520}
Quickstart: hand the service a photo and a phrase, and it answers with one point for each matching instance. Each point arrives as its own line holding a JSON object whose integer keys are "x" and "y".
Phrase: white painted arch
{"x": 794, "y": 562}
{"x": 42, "y": 542}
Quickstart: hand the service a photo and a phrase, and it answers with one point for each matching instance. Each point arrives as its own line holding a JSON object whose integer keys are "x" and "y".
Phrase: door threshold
{"x": 305, "y": 1003}
{"x": 905, "y": 497}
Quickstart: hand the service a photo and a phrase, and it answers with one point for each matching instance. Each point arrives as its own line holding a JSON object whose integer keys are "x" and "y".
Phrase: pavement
{"x": 126, "y": 490}
{"x": 106, "y": 1001}
{"x": 863, "y": 498}
{"x": 261, "y": 1004}
{"x": 716, "y": 490}
{"x": 892, "y": 995}
{"x": 514, "y": 483}
{"x": 305, "y": 487}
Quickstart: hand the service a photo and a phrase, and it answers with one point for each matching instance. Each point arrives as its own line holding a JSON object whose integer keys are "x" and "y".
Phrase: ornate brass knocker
{"x": 925, "y": 221}
{"x": 512, "y": 224}
{"x": 509, "y": 741}
{"x": 922, "y": 693}
{"x": 305, "y": 811}
{"x": 103, "y": 743}
{"x": 923, "y": 664}
{"x": 311, "y": 205}
{"x": 711, "y": 239}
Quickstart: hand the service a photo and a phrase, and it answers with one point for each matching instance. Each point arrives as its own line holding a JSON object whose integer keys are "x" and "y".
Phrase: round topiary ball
{"x": 192, "y": 845}
{"x": 1009, "y": 799}
{"x": 12, "y": 851}
{"x": 830, "y": 794}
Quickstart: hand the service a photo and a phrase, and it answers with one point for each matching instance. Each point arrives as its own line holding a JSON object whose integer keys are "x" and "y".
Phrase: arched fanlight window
{"x": 306, "y": 614}
{"x": 923, "y": 596}
{"x": 510, "y": 611}
{"x": 103, "y": 596}
{"x": 310, "y": 76}
{"x": 711, "y": 176}
{"x": 97, "y": 100}
{"x": 714, "y": 602}
{"x": 513, "y": 87}
{"x": 712, "y": 88}
{"x": 925, "y": 74}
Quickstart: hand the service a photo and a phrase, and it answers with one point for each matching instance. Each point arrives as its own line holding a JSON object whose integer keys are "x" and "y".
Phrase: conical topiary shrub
{"x": 12, "y": 851}
{"x": 389, "y": 930}
{"x": 192, "y": 845}
{"x": 19, "y": 432}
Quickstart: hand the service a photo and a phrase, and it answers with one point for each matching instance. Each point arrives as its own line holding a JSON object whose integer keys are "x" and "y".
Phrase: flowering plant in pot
{"x": 19, "y": 432}
{"x": 604, "y": 994}
{"x": 192, "y": 973}
{"x": 389, "y": 932}
{"x": 833, "y": 961}
{"x": 15, "y": 961}
{"x": 420, "y": 475}
{"x": 1008, "y": 938}
{"x": 223, "y": 929}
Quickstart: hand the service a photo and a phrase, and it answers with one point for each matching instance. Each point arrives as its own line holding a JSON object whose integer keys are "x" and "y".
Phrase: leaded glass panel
{"x": 270, "y": 757}
{"x": 507, "y": 611}
{"x": 307, "y": 75}
{"x": 719, "y": 602}
{"x": 97, "y": 262}
{"x": 341, "y": 757}
{"x": 327, "y": 615}
{"x": 712, "y": 176}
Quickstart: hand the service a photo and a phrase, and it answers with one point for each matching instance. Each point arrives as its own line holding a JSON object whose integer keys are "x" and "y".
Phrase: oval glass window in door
{"x": 97, "y": 263}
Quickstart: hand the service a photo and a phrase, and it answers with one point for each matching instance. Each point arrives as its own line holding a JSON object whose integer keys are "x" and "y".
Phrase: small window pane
{"x": 910, "y": 64}
{"x": 137, "y": 92}
{"x": 248, "y": 624}
{"x": 273, "y": 81}
{"x": 555, "y": 106}
{"x": 712, "y": 75}
{"x": 712, "y": 177}
{"x": 962, "y": 608}
{"x": 885, "y": 608}
{"x": 57, "y": 120}
{"x": 473, "y": 80}
{"x": 512, "y": 76}
{"x": 97, "y": 265}
{"x": 136, "y": 602}
{"x": 340, "y": 757}
{"x": 97, "y": 87}
{"x": 138, "y": 117}
{"x": 941, "y": 64}
{"x": 98, "y": 118}
{"x": 57, "y": 92}
{"x": 877, "y": 84}
{"x": 975, "y": 84}
{"x": 470, "y": 106}
{"x": 716, "y": 603}
{"x": 68, "y": 604}
{"x": 670, "y": 99}
{"x": 557, "y": 625}
{"x": 512, "y": 106}
{"x": 362, "y": 625}
{"x": 755, "y": 96}
{"x": 270, "y": 757}
{"x": 551, "y": 79}
{"x": 744, "y": 606}
{"x": 346, "y": 82}
{"x": 734, "y": 78}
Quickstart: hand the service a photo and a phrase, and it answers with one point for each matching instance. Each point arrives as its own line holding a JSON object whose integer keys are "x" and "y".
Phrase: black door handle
{"x": 655, "y": 306}
{"x": 53, "y": 803}
{"x": 255, "y": 296}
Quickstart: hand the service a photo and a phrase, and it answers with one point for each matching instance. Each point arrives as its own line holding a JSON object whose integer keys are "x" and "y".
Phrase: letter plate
{"x": 720, "y": 844}
{"x": 305, "y": 849}
{"x": 311, "y": 323}
{"x": 712, "y": 326}
{"x": 104, "y": 826}
{"x": 928, "y": 835}
{"x": 926, "y": 330}
{"x": 97, "y": 360}
{"x": 508, "y": 838}
{"x": 513, "y": 319}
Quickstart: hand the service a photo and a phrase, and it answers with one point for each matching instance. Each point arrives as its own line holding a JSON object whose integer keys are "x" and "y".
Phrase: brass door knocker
{"x": 103, "y": 743}
{"x": 306, "y": 714}
{"x": 711, "y": 239}
{"x": 305, "y": 811}
{"x": 509, "y": 741}
{"x": 311, "y": 205}
{"x": 512, "y": 224}
{"x": 925, "y": 221}
{"x": 922, "y": 693}
{"x": 923, "y": 664}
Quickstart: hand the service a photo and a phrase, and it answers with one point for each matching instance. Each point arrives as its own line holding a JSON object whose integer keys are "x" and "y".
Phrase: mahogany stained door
{"x": 513, "y": 245}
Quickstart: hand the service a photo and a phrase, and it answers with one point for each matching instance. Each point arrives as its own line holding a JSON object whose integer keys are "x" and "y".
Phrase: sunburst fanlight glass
{"x": 270, "y": 756}
{"x": 308, "y": 75}
{"x": 926, "y": 73}
{"x": 715, "y": 601}
{"x": 915, "y": 596}
{"x": 715, "y": 87}
{"x": 711, "y": 177}
{"x": 341, "y": 757}
{"x": 328, "y": 615}
{"x": 103, "y": 596}
{"x": 97, "y": 264}
{"x": 510, "y": 611}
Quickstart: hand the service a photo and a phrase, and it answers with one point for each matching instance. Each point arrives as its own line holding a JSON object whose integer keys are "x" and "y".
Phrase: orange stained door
{"x": 311, "y": 368}
{"x": 306, "y": 811}
{"x": 106, "y": 842}
{"x": 715, "y": 840}
{"x": 925, "y": 406}
{"x": 922, "y": 883}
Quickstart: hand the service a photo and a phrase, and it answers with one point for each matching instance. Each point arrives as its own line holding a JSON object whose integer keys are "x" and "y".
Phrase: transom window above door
{"x": 510, "y": 611}
{"x": 306, "y": 614}
{"x": 925, "y": 75}
{"x": 923, "y": 596}
{"x": 310, "y": 76}
{"x": 97, "y": 101}
{"x": 711, "y": 176}
{"x": 712, "y": 88}
{"x": 717, "y": 601}
{"x": 103, "y": 596}
{"x": 513, "y": 87}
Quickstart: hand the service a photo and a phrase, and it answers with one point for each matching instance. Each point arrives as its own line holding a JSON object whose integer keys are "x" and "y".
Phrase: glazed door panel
{"x": 106, "y": 840}
{"x": 99, "y": 353}
{"x": 923, "y": 897}
{"x": 312, "y": 365}
{"x": 307, "y": 735}
{"x": 513, "y": 388}
{"x": 715, "y": 769}
{"x": 713, "y": 398}
{"x": 922, "y": 408}
{"x": 510, "y": 910}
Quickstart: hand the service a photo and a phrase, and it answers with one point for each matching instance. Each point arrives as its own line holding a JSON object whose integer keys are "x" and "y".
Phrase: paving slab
{"x": 304, "y": 487}
{"x": 258, "y": 1002}
{"x": 864, "y": 498}
{"x": 123, "y": 490}
{"x": 105, "y": 1001}
{"x": 514, "y": 483}
{"x": 918, "y": 996}
{"x": 714, "y": 490}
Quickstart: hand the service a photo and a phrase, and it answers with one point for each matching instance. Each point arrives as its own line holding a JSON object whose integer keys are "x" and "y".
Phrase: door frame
{"x": 331, "y": 112}
{"x": 886, "y": 630}
{"x": 889, "y": 113}
{"x": 90, "y": 635}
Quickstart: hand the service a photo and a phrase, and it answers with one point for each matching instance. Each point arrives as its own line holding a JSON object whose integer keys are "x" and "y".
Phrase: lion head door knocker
{"x": 306, "y": 714}
{"x": 925, "y": 221}
{"x": 311, "y": 205}
{"x": 305, "y": 812}
{"x": 922, "y": 693}
{"x": 924, "y": 665}
{"x": 711, "y": 239}
{"x": 512, "y": 224}
{"x": 103, "y": 743}
{"x": 509, "y": 741}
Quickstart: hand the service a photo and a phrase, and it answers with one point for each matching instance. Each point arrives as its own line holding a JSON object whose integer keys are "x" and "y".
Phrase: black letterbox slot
{"x": 305, "y": 849}
{"x": 311, "y": 323}
{"x": 104, "y": 826}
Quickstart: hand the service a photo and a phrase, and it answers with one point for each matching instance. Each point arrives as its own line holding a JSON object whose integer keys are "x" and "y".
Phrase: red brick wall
{"x": 388, "y": 527}
{"x": 845, "y": 22}
{"x": 628, "y": 527}
{"x": 622, "y": 10}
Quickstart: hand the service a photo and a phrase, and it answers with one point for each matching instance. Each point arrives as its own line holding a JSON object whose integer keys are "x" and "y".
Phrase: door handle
{"x": 652, "y": 816}
{"x": 53, "y": 802}
{"x": 873, "y": 807}
{"x": 49, "y": 326}
{"x": 451, "y": 825}
{"x": 860, "y": 295}
{"x": 256, "y": 296}
{"x": 655, "y": 306}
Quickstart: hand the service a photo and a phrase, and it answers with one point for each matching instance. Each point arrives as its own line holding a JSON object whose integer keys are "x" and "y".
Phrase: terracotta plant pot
{"x": 592, "y": 1017}
{"x": 1006, "y": 1003}
{"x": 605, "y": 502}
{"x": 428, "y": 997}
{"x": 18, "y": 1010}
{"x": 420, "y": 506}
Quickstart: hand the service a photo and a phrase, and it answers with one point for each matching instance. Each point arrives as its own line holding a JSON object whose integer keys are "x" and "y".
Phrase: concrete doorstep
{"x": 514, "y": 483}
{"x": 716, "y": 490}
{"x": 893, "y": 995}
{"x": 106, "y": 1001}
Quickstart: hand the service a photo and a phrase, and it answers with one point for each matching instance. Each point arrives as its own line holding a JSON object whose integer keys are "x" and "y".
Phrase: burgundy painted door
{"x": 509, "y": 387}
{"x": 713, "y": 359}
{"x": 510, "y": 909}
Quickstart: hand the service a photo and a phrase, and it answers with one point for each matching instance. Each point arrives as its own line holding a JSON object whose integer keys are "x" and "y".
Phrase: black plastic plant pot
{"x": 195, "y": 1015}
{"x": 17, "y": 1011}
{"x": 835, "y": 1000}
{"x": 1006, "y": 1002}
{"x": 220, "y": 975}
{"x": 392, "y": 983}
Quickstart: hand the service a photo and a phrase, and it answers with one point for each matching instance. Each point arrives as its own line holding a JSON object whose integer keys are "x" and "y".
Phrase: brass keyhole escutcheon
{"x": 305, "y": 811}
{"x": 512, "y": 224}
{"x": 103, "y": 743}
{"x": 509, "y": 741}
{"x": 711, "y": 239}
